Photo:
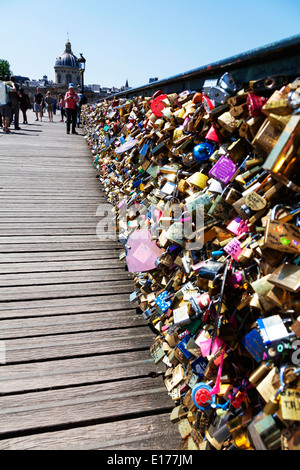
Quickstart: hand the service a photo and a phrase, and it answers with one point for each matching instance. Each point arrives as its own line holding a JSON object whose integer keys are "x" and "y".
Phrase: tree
{"x": 5, "y": 68}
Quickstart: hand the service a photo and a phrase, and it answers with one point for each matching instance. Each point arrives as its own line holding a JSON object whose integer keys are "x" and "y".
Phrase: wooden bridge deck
{"x": 75, "y": 367}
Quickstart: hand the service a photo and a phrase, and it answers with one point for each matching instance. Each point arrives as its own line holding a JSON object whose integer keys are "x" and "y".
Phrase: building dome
{"x": 67, "y": 68}
{"x": 67, "y": 59}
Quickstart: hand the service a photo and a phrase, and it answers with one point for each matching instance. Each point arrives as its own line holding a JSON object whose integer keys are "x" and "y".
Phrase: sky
{"x": 136, "y": 40}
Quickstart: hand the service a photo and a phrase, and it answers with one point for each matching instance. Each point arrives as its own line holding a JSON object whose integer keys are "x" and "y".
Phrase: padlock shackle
{"x": 277, "y": 208}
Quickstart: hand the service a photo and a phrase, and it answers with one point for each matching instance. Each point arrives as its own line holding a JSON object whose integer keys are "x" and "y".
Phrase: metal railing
{"x": 278, "y": 58}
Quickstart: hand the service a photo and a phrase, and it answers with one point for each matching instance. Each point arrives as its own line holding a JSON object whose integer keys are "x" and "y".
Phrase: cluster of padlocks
{"x": 205, "y": 195}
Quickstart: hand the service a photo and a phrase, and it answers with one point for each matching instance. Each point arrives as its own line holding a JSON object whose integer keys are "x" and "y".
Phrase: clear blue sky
{"x": 138, "y": 39}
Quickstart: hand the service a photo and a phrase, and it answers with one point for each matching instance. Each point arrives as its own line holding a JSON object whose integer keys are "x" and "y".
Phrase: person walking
{"x": 15, "y": 103}
{"x": 38, "y": 102}
{"x": 49, "y": 105}
{"x": 54, "y": 106}
{"x": 82, "y": 101}
{"x": 62, "y": 107}
{"x": 24, "y": 105}
{"x": 71, "y": 100}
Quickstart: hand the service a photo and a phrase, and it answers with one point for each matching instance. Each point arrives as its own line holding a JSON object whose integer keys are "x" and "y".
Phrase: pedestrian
{"x": 82, "y": 101}
{"x": 15, "y": 97}
{"x": 24, "y": 105}
{"x": 38, "y": 102}
{"x": 49, "y": 105}
{"x": 54, "y": 106}
{"x": 5, "y": 104}
{"x": 62, "y": 107}
{"x": 78, "y": 107}
{"x": 71, "y": 100}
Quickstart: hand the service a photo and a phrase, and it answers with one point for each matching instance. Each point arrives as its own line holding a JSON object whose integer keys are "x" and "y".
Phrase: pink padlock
{"x": 235, "y": 279}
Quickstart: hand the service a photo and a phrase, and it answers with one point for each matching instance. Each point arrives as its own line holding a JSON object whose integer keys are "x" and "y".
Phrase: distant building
{"x": 20, "y": 79}
{"x": 67, "y": 70}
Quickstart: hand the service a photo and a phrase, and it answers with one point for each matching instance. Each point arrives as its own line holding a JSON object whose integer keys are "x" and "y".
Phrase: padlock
{"x": 283, "y": 158}
{"x": 290, "y": 401}
{"x": 202, "y": 152}
{"x": 273, "y": 404}
{"x": 260, "y": 373}
{"x": 214, "y": 135}
{"x": 264, "y": 432}
{"x": 286, "y": 276}
{"x": 209, "y": 269}
{"x": 229, "y": 122}
{"x": 220, "y": 208}
{"x": 201, "y": 394}
{"x": 268, "y": 83}
{"x": 178, "y": 413}
{"x": 224, "y": 170}
{"x": 218, "y": 94}
{"x": 266, "y": 137}
{"x": 255, "y": 104}
{"x": 281, "y": 236}
{"x": 238, "y": 428}
{"x": 229, "y": 83}
{"x": 198, "y": 179}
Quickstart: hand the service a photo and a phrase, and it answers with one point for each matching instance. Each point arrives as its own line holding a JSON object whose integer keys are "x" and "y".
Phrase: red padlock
{"x": 156, "y": 104}
{"x": 208, "y": 104}
{"x": 255, "y": 103}
{"x": 203, "y": 300}
{"x": 214, "y": 134}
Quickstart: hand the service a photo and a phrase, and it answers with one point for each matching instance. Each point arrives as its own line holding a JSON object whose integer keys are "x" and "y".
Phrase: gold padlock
{"x": 281, "y": 236}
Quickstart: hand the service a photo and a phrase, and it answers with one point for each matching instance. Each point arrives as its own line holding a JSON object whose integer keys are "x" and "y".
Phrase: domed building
{"x": 67, "y": 68}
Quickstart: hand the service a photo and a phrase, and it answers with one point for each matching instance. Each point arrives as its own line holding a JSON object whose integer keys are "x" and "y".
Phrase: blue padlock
{"x": 201, "y": 396}
{"x": 202, "y": 152}
{"x": 204, "y": 397}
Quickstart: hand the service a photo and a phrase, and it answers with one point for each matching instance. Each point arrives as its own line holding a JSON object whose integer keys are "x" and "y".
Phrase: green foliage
{"x": 5, "y": 68}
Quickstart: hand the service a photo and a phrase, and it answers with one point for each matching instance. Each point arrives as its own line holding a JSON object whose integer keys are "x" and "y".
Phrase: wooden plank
{"x": 57, "y": 277}
{"x": 47, "y": 224}
{"x": 28, "y": 231}
{"x": 62, "y": 306}
{"x": 58, "y": 247}
{"x": 56, "y": 291}
{"x": 67, "y": 265}
{"x": 20, "y": 378}
{"x": 61, "y": 256}
{"x": 30, "y": 327}
{"x": 54, "y": 239}
{"x": 139, "y": 433}
{"x": 77, "y": 344}
{"x": 97, "y": 403}
{"x": 96, "y": 299}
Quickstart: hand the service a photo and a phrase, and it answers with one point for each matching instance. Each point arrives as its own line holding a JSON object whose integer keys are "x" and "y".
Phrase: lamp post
{"x": 82, "y": 62}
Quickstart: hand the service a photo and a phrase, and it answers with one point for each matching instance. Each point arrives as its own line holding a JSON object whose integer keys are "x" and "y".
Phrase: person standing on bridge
{"x": 38, "y": 104}
{"x": 71, "y": 100}
{"x": 15, "y": 98}
{"x": 62, "y": 107}
{"x": 5, "y": 104}
{"x": 24, "y": 104}
{"x": 49, "y": 105}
